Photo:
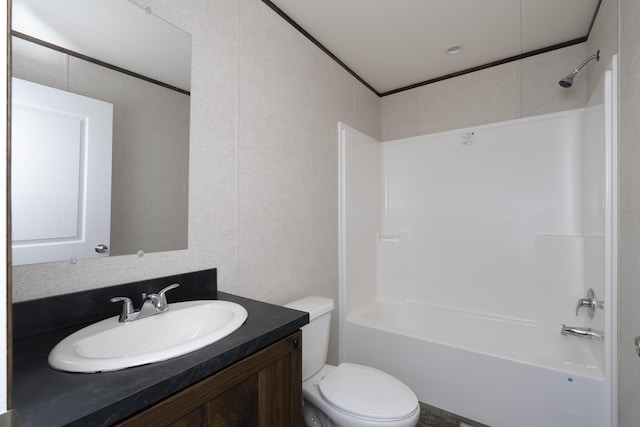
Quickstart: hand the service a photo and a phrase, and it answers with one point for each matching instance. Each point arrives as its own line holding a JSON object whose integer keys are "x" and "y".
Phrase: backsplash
{"x": 44, "y": 315}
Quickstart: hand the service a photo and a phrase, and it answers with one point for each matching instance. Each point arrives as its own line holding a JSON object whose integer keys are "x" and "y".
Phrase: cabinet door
{"x": 262, "y": 390}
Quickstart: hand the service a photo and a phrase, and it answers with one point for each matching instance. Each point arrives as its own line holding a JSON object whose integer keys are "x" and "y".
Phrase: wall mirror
{"x": 135, "y": 68}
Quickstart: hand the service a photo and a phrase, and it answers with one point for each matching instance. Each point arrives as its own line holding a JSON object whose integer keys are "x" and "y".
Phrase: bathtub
{"x": 497, "y": 371}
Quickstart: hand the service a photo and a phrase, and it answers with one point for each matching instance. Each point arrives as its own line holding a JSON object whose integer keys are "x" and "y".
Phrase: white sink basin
{"x": 109, "y": 345}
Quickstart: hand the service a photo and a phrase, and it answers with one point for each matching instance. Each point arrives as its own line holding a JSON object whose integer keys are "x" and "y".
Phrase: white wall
{"x": 360, "y": 195}
{"x": 263, "y": 190}
{"x": 505, "y": 219}
{"x": 593, "y": 192}
{"x": 490, "y": 227}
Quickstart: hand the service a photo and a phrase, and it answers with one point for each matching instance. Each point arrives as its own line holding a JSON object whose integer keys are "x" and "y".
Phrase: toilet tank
{"x": 315, "y": 335}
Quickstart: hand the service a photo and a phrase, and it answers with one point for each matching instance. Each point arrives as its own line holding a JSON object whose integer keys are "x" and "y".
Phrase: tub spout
{"x": 586, "y": 333}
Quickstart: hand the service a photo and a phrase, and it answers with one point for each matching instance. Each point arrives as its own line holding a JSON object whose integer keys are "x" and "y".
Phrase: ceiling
{"x": 393, "y": 44}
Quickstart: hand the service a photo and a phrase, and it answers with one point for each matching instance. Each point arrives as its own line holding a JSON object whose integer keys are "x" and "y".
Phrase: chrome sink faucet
{"x": 151, "y": 304}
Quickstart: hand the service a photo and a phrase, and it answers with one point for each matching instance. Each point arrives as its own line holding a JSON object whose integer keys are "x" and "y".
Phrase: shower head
{"x": 567, "y": 82}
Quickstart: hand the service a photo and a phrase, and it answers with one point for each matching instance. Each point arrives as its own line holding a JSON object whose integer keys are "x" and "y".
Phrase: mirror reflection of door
{"x": 61, "y": 174}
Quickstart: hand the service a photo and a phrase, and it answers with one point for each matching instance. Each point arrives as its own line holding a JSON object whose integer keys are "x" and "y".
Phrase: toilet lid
{"x": 367, "y": 392}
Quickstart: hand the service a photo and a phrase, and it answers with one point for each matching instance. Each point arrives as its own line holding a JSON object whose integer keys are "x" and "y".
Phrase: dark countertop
{"x": 46, "y": 397}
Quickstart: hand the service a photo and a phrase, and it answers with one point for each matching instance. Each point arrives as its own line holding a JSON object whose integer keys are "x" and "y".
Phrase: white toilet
{"x": 346, "y": 395}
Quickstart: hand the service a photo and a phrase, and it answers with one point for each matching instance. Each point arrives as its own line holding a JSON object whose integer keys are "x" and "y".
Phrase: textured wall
{"x": 263, "y": 192}
{"x": 603, "y": 37}
{"x": 629, "y": 245}
{"x": 517, "y": 89}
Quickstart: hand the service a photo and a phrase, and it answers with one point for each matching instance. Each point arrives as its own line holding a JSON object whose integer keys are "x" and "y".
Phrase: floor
{"x": 430, "y": 416}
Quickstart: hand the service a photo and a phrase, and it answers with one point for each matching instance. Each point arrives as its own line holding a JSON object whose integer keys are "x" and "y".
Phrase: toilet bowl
{"x": 347, "y": 395}
{"x": 356, "y": 395}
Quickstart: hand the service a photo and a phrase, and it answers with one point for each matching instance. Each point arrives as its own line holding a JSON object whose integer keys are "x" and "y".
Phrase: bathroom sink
{"x": 109, "y": 345}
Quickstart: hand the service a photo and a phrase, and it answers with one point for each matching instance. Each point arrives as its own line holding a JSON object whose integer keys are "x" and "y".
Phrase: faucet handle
{"x": 584, "y": 302}
{"x": 591, "y": 302}
{"x": 168, "y": 288}
{"x": 162, "y": 299}
{"x": 127, "y": 307}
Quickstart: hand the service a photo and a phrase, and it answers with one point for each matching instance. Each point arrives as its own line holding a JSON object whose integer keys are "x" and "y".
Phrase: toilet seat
{"x": 368, "y": 393}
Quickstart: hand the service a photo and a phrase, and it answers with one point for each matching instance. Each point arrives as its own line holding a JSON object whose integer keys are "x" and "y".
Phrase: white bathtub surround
{"x": 523, "y": 342}
{"x": 457, "y": 278}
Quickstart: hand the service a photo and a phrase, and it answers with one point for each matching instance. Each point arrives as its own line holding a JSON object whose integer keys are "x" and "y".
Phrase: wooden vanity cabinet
{"x": 263, "y": 390}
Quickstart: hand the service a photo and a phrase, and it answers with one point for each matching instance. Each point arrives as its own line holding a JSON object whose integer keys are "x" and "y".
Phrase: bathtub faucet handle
{"x": 591, "y": 302}
{"x": 584, "y": 302}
